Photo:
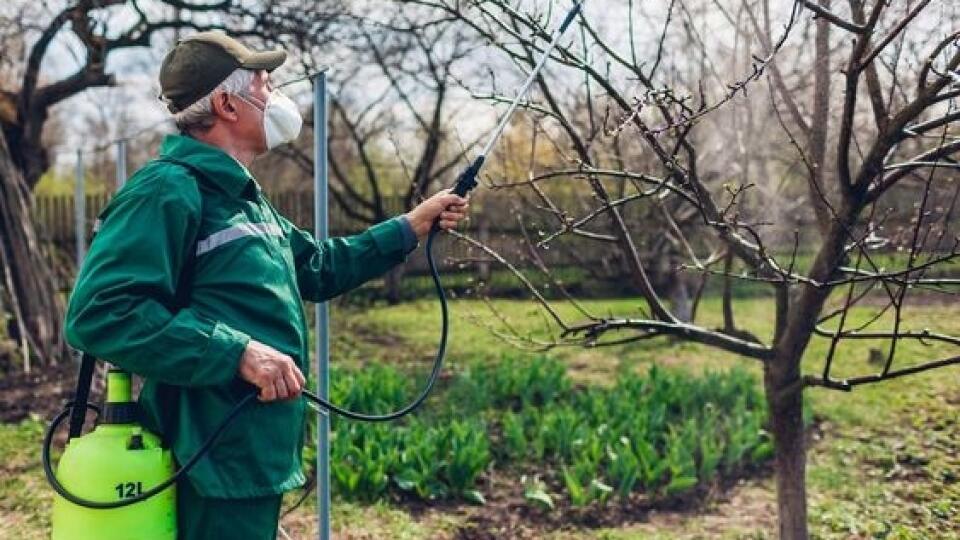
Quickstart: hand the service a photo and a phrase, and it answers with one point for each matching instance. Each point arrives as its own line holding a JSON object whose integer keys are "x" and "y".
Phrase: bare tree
{"x": 885, "y": 132}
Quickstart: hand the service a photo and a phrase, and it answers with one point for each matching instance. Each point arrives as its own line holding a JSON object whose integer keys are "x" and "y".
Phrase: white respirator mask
{"x": 281, "y": 118}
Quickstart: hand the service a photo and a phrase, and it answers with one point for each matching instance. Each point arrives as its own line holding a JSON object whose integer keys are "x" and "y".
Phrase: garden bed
{"x": 532, "y": 451}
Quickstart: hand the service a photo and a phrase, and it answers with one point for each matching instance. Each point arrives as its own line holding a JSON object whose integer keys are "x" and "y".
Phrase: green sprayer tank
{"x": 117, "y": 460}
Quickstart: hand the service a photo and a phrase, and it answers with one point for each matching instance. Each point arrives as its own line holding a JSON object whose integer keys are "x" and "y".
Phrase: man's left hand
{"x": 447, "y": 206}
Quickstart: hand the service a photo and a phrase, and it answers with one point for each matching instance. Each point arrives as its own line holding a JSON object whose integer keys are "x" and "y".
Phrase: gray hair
{"x": 199, "y": 115}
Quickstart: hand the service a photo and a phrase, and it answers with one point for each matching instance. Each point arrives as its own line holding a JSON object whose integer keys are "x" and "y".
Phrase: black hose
{"x": 106, "y": 505}
{"x": 437, "y": 362}
{"x": 208, "y": 444}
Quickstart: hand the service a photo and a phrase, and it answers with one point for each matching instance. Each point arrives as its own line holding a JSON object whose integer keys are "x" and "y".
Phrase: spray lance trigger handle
{"x": 465, "y": 182}
{"x": 468, "y": 178}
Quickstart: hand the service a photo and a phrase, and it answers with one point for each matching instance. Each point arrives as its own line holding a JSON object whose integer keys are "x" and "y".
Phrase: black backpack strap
{"x": 81, "y": 396}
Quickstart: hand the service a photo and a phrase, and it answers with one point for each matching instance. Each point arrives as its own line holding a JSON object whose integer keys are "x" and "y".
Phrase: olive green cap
{"x": 198, "y": 63}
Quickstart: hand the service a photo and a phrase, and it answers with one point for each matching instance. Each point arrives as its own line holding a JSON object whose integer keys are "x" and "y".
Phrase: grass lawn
{"x": 884, "y": 463}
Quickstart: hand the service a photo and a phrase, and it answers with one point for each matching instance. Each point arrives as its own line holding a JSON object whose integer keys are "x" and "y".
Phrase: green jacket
{"x": 144, "y": 302}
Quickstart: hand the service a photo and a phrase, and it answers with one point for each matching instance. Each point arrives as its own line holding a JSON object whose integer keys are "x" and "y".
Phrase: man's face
{"x": 245, "y": 113}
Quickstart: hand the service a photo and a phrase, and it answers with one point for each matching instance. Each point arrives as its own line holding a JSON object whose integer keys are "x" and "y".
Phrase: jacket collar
{"x": 219, "y": 167}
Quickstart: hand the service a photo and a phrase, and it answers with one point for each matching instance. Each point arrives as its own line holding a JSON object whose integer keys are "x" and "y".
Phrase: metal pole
{"x": 80, "y": 210}
{"x": 323, "y": 310}
{"x": 121, "y": 163}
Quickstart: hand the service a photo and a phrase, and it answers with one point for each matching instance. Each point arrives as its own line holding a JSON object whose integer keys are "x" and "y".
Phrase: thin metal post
{"x": 323, "y": 310}
{"x": 121, "y": 163}
{"x": 80, "y": 210}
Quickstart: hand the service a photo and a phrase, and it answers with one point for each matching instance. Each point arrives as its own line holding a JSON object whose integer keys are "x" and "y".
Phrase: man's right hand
{"x": 274, "y": 373}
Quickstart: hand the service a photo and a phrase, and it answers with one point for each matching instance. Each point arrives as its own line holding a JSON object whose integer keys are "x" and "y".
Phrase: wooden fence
{"x": 491, "y": 220}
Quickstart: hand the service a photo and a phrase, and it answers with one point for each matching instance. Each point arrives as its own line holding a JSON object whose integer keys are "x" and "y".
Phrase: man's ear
{"x": 224, "y": 107}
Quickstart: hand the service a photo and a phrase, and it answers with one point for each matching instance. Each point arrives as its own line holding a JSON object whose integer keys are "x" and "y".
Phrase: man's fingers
{"x": 452, "y": 216}
{"x": 268, "y": 393}
{"x": 282, "y": 391}
{"x": 293, "y": 385}
{"x": 303, "y": 380}
{"x": 294, "y": 376}
{"x": 275, "y": 374}
{"x": 451, "y": 198}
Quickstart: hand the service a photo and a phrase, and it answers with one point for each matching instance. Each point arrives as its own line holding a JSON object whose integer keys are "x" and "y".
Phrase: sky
{"x": 132, "y": 104}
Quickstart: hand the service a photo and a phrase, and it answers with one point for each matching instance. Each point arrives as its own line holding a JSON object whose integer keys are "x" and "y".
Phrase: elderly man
{"x": 195, "y": 281}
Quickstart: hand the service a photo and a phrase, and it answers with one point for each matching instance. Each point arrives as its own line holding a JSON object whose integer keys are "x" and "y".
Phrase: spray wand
{"x": 465, "y": 183}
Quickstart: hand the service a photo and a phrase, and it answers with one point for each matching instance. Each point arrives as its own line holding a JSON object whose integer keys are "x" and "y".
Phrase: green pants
{"x": 205, "y": 518}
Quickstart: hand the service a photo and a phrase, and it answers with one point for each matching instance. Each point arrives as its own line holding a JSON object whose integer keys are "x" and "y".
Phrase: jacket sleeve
{"x": 122, "y": 306}
{"x": 334, "y": 266}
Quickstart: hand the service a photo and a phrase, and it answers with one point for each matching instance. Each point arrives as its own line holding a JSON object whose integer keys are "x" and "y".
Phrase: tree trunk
{"x": 784, "y": 393}
{"x": 783, "y": 384}
{"x": 27, "y": 277}
{"x": 680, "y": 302}
{"x": 392, "y": 281}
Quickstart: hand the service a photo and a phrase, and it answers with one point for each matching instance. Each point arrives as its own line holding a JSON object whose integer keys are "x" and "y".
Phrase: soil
{"x": 743, "y": 496}
{"x": 41, "y": 393}
{"x": 508, "y": 515}
{"x": 708, "y": 513}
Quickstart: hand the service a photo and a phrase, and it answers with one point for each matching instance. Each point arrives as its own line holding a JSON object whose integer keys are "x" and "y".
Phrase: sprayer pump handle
{"x": 468, "y": 178}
